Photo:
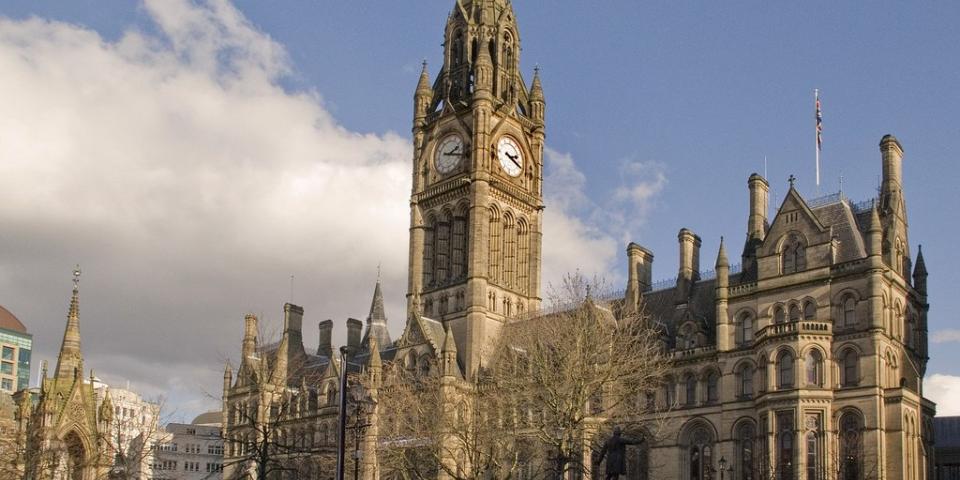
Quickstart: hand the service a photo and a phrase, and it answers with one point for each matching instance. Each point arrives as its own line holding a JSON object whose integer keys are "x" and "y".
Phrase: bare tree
{"x": 577, "y": 368}
{"x": 129, "y": 439}
{"x": 432, "y": 423}
{"x": 534, "y": 410}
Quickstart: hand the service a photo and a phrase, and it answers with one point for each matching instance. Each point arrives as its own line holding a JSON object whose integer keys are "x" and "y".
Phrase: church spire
{"x": 70, "y": 361}
{"x": 376, "y": 321}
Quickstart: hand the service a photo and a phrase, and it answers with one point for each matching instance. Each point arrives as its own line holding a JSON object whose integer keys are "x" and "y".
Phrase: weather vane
{"x": 76, "y": 278}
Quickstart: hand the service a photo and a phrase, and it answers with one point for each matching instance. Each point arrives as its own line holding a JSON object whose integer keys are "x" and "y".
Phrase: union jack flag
{"x": 819, "y": 123}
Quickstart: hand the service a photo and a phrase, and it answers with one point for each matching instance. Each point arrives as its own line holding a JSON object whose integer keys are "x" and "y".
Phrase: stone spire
{"x": 376, "y": 321}
{"x": 920, "y": 272}
{"x": 537, "y": 103}
{"x": 70, "y": 360}
{"x": 448, "y": 354}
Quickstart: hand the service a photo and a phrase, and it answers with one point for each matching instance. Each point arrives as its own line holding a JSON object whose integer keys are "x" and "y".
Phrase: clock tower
{"x": 477, "y": 200}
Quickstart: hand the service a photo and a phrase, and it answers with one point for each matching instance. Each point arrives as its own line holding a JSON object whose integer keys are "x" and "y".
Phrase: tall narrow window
{"x": 509, "y": 252}
{"x": 459, "y": 247}
{"x": 849, "y": 376}
{"x": 429, "y": 236}
{"x": 909, "y": 329}
{"x": 746, "y": 381}
{"x": 745, "y": 333}
{"x": 785, "y": 445}
{"x": 809, "y": 311}
{"x": 442, "y": 262}
{"x": 691, "y": 389}
{"x": 849, "y": 311}
{"x": 745, "y": 467}
{"x": 523, "y": 255}
{"x": 794, "y": 255}
{"x": 669, "y": 388}
{"x": 779, "y": 316}
{"x": 851, "y": 446}
{"x": 493, "y": 247}
{"x": 713, "y": 387}
{"x": 813, "y": 365}
{"x": 785, "y": 371}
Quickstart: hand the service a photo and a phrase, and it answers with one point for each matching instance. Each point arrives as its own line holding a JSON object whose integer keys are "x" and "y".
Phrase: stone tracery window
{"x": 809, "y": 311}
{"x": 849, "y": 368}
{"x": 851, "y": 445}
{"x": 849, "y": 306}
{"x": 779, "y": 315}
{"x": 713, "y": 387}
{"x": 699, "y": 454}
{"x": 745, "y": 381}
{"x": 794, "y": 256}
{"x": 745, "y": 466}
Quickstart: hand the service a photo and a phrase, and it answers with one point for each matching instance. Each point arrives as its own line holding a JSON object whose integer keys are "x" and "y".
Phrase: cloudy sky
{"x": 193, "y": 156}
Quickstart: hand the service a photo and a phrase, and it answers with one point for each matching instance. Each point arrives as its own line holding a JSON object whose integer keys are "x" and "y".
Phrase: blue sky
{"x": 654, "y": 111}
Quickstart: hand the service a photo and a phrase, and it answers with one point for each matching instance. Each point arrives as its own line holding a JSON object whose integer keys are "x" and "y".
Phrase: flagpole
{"x": 816, "y": 130}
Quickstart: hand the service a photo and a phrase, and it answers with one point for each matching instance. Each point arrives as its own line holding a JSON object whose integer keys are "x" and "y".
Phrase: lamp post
{"x": 723, "y": 467}
{"x": 342, "y": 410}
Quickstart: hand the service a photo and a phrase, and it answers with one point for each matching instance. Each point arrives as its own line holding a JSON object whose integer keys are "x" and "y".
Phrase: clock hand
{"x": 454, "y": 151}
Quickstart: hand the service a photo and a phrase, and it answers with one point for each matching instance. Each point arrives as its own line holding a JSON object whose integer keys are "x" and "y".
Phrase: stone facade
{"x": 806, "y": 361}
{"x": 190, "y": 451}
{"x": 65, "y": 431}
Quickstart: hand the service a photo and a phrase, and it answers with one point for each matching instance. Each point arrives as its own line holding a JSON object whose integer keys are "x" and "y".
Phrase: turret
{"x": 893, "y": 210}
{"x": 689, "y": 272}
{"x": 891, "y": 153}
{"x": 920, "y": 273}
{"x": 874, "y": 234}
{"x": 483, "y": 73}
{"x": 537, "y": 103}
{"x": 375, "y": 363}
{"x": 724, "y": 329}
{"x": 422, "y": 98}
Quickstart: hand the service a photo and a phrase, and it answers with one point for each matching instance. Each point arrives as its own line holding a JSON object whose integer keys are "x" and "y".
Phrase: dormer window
{"x": 793, "y": 255}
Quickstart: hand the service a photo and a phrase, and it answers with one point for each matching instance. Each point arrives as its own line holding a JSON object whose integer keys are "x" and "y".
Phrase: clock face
{"x": 449, "y": 153}
{"x": 510, "y": 155}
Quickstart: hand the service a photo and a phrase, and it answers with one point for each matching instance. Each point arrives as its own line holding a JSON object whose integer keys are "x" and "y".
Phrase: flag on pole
{"x": 819, "y": 122}
{"x": 816, "y": 97}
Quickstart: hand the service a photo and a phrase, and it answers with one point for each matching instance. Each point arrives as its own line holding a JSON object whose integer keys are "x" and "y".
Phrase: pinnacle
{"x": 722, "y": 256}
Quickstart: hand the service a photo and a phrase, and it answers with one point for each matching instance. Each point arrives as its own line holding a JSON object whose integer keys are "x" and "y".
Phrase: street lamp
{"x": 723, "y": 467}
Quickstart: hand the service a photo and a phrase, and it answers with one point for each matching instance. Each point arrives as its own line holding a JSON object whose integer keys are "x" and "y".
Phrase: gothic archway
{"x": 76, "y": 456}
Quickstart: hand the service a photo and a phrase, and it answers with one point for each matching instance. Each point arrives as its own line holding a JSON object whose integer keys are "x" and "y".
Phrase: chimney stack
{"x": 757, "y": 221}
{"x": 892, "y": 153}
{"x": 326, "y": 336}
{"x": 250, "y": 329}
{"x": 293, "y": 322}
{"x": 354, "y": 329}
{"x": 689, "y": 255}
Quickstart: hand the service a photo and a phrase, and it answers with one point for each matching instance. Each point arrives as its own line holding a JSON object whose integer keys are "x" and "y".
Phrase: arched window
{"x": 690, "y": 384}
{"x": 785, "y": 452}
{"x": 523, "y": 257}
{"x": 509, "y": 251}
{"x": 813, "y": 367}
{"x": 429, "y": 239}
{"x": 713, "y": 387}
{"x": 909, "y": 330}
{"x": 809, "y": 311}
{"x": 851, "y": 446}
{"x": 669, "y": 388}
{"x": 849, "y": 368}
{"x": 779, "y": 315}
{"x": 745, "y": 330}
{"x": 785, "y": 370}
{"x": 458, "y": 245}
{"x": 744, "y": 467}
{"x": 794, "y": 255}
{"x": 441, "y": 267}
{"x": 699, "y": 455}
{"x": 794, "y": 313}
{"x": 745, "y": 381}
{"x": 493, "y": 247}
{"x": 849, "y": 311}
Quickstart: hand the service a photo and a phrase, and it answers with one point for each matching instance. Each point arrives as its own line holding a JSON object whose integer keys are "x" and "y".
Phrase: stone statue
{"x": 616, "y": 447}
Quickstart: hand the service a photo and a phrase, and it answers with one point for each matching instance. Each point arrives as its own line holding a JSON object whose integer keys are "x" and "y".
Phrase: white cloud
{"x": 945, "y": 391}
{"x": 190, "y": 185}
{"x": 945, "y": 336}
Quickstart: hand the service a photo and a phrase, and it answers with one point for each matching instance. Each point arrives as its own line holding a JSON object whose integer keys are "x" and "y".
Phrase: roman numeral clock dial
{"x": 448, "y": 154}
{"x": 510, "y": 155}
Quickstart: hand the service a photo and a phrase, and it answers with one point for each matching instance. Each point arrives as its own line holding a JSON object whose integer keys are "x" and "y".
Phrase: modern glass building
{"x": 15, "y": 347}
